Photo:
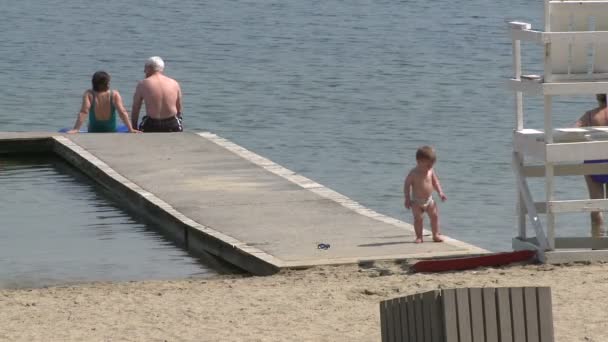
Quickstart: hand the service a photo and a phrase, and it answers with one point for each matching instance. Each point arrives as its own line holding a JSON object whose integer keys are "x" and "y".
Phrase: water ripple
{"x": 342, "y": 91}
{"x": 55, "y": 228}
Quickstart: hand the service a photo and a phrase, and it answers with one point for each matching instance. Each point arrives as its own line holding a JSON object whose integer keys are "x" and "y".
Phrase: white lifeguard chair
{"x": 575, "y": 41}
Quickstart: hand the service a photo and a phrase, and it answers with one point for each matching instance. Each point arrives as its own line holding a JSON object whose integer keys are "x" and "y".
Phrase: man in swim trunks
{"x": 418, "y": 190}
{"x": 162, "y": 97}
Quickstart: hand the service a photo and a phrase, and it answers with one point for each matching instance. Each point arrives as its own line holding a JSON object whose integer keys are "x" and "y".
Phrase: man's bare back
{"x": 161, "y": 95}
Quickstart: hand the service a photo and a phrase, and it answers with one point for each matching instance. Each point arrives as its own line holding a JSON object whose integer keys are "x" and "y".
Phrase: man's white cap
{"x": 156, "y": 63}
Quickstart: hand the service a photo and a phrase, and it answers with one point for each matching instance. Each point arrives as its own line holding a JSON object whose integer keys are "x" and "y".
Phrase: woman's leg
{"x": 596, "y": 191}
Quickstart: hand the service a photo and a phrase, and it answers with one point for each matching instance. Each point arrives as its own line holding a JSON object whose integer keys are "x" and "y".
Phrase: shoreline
{"x": 328, "y": 303}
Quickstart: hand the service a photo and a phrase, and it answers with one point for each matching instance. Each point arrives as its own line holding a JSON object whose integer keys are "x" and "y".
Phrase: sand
{"x": 337, "y": 303}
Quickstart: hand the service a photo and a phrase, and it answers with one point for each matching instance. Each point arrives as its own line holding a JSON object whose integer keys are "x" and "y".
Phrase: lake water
{"x": 342, "y": 92}
{"x": 56, "y": 228}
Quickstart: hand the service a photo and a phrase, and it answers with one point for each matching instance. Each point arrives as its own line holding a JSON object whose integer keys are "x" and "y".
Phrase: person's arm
{"x": 437, "y": 186}
{"x": 122, "y": 112}
{"x": 82, "y": 115}
{"x": 137, "y": 100}
{"x": 407, "y": 185}
{"x": 178, "y": 105}
{"x": 584, "y": 120}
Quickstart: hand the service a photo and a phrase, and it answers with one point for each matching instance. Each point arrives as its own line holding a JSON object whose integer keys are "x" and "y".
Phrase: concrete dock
{"x": 212, "y": 195}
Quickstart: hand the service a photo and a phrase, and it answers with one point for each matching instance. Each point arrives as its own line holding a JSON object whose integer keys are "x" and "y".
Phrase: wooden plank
{"x": 564, "y": 256}
{"x": 477, "y": 317}
{"x": 579, "y": 77}
{"x": 581, "y": 242}
{"x": 411, "y": 317}
{"x": 489, "y": 312}
{"x": 436, "y": 313}
{"x": 518, "y": 26}
{"x": 521, "y": 211}
{"x": 530, "y": 142}
{"x": 545, "y": 314}
{"x": 579, "y": 60}
{"x": 573, "y": 242}
{"x": 526, "y": 195}
{"x": 579, "y": 206}
{"x": 525, "y": 86}
{"x": 388, "y": 322}
{"x": 529, "y": 132}
{"x": 530, "y": 148}
{"x": 404, "y": 319}
{"x": 600, "y": 53}
{"x": 383, "y": 326}
{"x": 390, "y": 325}
{"x": 450, "y": 315}
{"x": 567, "y": 170}
{"x": 517, "y": 312}
{"x": 396, "y": 313}
{"x": 577, "y": 151}
{"x": 503, "y": 306}
{"x": 559, "y": 53}
{"x": 570, "y": 206}
{"x": 464, "y": 315}
{"x": 599, "y": 243}
{"x": 521, "y": 218}
{"x": 527, "y": 35}
{"x": 581, "y": 37}
{"x": 547, "y": 21}
{"x": 571, "y": 88}
{"x": 419, "y": 317}
{"x": 575, "y": 5}
{"x": 531, "y": 314}
{"x": 549, "y": 195}
{"x": 564, "y": 8}
{"x": 428, "y": 301}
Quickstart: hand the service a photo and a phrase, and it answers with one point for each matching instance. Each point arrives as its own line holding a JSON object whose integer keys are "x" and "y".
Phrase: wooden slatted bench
{"x": 504, "y": 314}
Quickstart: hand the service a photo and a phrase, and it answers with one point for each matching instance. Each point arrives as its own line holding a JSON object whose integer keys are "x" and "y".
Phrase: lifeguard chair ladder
{"x": 575, "y": 41}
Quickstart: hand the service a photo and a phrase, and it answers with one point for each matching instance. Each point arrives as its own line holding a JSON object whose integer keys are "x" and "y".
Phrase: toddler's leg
{"x": 417, "y": 212}
{"x": 434, "y": 216}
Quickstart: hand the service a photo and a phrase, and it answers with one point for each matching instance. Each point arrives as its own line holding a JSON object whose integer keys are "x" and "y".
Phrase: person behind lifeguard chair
{"x": 596, "y": 184}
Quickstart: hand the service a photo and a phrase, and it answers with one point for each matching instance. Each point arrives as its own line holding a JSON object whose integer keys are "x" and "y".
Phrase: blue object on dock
{"x": 119, "y": 129}
{"x": 324, "y": 246}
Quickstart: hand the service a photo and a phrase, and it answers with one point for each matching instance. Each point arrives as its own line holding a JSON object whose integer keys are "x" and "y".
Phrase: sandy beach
{"x": 338, "y": 303}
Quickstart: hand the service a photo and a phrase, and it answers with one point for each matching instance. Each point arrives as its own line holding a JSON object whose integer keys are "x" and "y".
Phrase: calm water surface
{"x": 340, "y": 91}
{"x": 57, "y": 228}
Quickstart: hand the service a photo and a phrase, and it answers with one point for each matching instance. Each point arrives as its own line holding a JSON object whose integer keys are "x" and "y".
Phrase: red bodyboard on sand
{"x": 472, "y": 262}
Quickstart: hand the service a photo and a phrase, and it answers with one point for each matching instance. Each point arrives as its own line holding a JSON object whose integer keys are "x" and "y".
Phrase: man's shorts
{"x": 172, "y": 124}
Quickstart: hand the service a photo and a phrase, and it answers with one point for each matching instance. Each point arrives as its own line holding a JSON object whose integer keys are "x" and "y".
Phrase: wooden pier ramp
{"x": 213, "y": 195}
